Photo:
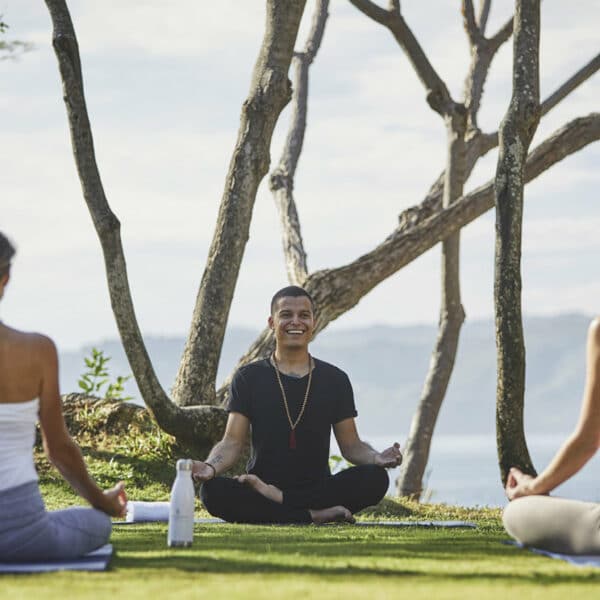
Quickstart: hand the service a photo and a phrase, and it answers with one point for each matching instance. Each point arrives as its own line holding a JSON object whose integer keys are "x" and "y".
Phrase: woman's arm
{"x": 581, "y": 444}
{"x": 60, "y": 448}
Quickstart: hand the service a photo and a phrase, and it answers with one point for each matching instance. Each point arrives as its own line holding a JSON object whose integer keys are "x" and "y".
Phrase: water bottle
{"x": 181, "y": 508}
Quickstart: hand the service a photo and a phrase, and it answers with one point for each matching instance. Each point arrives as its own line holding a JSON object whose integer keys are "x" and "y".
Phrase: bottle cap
{"x": 184, "y": 464}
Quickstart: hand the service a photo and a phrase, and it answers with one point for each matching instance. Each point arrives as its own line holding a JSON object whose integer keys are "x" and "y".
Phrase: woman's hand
{"x": 518, "y": 484}
{"x": 115, "y": 501}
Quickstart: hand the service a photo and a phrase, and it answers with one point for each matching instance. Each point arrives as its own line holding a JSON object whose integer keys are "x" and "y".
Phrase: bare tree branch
{"x": 270, "y": 92}
{"x": 403, "y": 247}
{"x": 282, "y": 178}
{"x": 502, "y": 36}
{"x": 374, "y": 11}
{"x": 575, "y": 81}
{"x": 338, "y": 290}
{"x": 484, "y": 13}
{"x": 481, "y": 143}
{"x": 438, "y": 97}
{"x": 470, "y": 24}
{"x": 315, "y": 37}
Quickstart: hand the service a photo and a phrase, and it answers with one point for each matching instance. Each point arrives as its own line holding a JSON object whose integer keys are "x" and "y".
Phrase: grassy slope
{"x": 339, "y": 561}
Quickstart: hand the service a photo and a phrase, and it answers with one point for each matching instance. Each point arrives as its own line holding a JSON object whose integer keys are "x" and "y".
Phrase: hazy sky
{"x": 164, "y": 89}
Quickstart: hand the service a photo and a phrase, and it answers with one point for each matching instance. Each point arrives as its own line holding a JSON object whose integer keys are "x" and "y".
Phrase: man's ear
{"x": 270, "y": 322}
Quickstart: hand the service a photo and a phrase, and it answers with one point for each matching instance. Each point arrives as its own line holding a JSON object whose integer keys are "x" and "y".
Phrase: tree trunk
{"x": 416, "y": 451}
{"x": 270, "y": 92}
{"x": 281, "y": 181}
{"x": 516, "y": 132}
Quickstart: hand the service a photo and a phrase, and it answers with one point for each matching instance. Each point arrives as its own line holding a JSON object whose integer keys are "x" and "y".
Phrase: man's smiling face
{"x": 293, "y": 322}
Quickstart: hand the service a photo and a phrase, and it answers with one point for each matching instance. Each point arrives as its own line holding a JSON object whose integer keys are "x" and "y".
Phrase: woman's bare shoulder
{"x": 28, "y": 341}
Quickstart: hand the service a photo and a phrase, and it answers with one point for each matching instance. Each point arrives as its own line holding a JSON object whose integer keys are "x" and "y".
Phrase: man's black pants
{"x": 355, "y": 488}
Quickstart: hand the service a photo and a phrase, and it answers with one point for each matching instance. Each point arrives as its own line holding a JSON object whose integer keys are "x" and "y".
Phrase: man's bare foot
{"x": 267, "y": 490}
{"x": 335, "y": 514}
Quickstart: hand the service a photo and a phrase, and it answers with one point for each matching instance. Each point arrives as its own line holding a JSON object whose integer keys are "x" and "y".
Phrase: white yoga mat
{"x": 94, "y": 561}
{"x": 140, "y": 512}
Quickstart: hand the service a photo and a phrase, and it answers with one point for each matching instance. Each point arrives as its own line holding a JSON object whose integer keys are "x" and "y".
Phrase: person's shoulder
{"x": 253, "y": 369}
{"x": 330, "y": 369}
{"x": 32, "y": 341}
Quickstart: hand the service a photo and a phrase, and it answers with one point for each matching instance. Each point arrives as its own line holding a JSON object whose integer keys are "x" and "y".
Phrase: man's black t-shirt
{"x": 255, "y": 393}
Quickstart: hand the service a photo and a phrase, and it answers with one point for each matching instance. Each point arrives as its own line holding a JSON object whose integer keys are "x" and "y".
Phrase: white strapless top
{"x": 17, "y": 437}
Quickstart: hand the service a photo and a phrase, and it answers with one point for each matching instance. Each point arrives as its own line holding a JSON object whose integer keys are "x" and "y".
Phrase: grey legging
{"x": 29, "y": 532}
{"x": 554, "y": 524}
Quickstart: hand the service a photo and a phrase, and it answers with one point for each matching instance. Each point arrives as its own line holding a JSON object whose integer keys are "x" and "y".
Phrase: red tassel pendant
{"x": 292, "y": 440}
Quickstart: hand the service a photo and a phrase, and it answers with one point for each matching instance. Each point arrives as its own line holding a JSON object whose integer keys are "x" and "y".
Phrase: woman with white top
{"x": 557, "y": 524}
{"x": 28, "y": 392}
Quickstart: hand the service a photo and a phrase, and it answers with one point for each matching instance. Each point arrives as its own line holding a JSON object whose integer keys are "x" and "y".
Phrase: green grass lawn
{"x": 337, "y": 561}
{"x": 333, "y": 561}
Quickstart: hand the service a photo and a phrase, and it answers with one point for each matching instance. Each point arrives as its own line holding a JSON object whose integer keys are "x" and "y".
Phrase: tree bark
{"x": 282, "y": 178}
{"x": 270, "y": 92}
{"x": 516, "y": 132}
{"x": 418, "y": 444}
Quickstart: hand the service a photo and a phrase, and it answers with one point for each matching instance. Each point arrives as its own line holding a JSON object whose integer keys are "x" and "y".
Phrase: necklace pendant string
{"x": 293, "y": 424}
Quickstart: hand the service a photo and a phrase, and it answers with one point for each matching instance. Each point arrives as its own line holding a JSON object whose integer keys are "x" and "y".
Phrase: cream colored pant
{"x": 554, "y": 524}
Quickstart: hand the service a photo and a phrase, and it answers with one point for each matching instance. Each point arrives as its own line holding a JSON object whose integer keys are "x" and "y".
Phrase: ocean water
{"x": 463, "y": 469}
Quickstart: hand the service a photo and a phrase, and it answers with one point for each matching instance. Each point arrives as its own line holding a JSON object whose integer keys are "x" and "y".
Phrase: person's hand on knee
{"x": 518, "y": 484}
{"x": 390, "y": 457}
{"x": 116, "y": 501}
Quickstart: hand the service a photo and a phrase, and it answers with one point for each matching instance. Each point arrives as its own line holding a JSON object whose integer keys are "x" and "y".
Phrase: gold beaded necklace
{"x": 293, "y": 424}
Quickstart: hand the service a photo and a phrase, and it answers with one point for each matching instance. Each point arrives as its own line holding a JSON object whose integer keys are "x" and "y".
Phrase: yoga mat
{"x": 579, "y": 560}
{"x": 210, "y": 521}
{"x": 464, "y": 524}
{"x": 140, "y": 512}
{"x": 156, "y": 512}
{"x": 94, "y": 561}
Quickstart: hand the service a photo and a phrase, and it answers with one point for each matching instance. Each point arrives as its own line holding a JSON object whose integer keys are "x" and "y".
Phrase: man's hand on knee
{"x": 202, "y": 471}
{"x": 391, "y": 457}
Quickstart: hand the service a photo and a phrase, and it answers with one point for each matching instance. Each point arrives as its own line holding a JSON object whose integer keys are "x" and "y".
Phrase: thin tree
{"x": 516, "y": 132}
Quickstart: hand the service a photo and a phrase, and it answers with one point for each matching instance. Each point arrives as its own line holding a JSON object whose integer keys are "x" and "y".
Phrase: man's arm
{"x": 357, "y": 452}
{"x": 226, "y": 452}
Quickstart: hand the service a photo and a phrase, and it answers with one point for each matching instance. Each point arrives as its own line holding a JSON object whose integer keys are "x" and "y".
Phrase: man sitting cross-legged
{"x": 290, "y": 401}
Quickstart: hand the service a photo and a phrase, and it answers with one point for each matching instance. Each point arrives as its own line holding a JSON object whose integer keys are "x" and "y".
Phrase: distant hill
{"x": 387, "y": 366}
